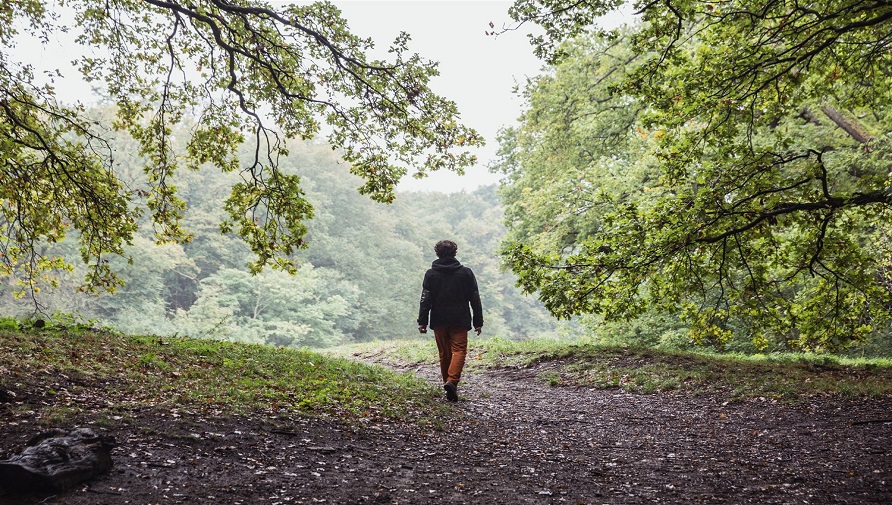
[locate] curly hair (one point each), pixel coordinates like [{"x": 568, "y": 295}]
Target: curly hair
[{"x": 446, "y": 249}]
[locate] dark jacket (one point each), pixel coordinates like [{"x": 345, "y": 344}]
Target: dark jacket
[{"x": 446, "y": 293}]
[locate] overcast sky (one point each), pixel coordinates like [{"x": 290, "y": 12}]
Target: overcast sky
[{"x": 477, "y": 71}]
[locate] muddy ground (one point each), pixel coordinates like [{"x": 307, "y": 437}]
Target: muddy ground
[{"x": 517, "y": 440}]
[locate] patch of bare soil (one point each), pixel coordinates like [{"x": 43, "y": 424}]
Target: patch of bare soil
[{"x": 513, "y": 440}]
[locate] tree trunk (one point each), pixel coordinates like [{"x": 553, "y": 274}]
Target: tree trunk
[
  {"x": 57, "y": 460},
  {"x": 855, "y": 130}
]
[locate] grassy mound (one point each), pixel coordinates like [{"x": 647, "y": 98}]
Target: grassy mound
[
  {"x": 788, "y": 377},
  {"x": 56, "y": 374}
]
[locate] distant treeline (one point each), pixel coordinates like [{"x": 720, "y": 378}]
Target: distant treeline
[{"x": 358, "y": 280}]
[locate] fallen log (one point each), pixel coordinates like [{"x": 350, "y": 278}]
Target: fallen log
[{"x": 57, "y": 460}]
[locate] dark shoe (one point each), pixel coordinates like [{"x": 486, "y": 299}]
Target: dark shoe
[{"x": 451, "y": 394}]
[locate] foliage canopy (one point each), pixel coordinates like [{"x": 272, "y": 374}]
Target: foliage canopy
[
  {"x": 729, "y": 160},
  {"x": 235, "y": 70}
]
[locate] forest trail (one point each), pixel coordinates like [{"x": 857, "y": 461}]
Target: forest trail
[
  {"x": 515, "y": 440},
  {"x": 580, "y": 445}
]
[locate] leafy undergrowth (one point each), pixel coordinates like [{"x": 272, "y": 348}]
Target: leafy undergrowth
[
  {"x": 63, "y": 373},
  {"x": 787, "y": 377}
]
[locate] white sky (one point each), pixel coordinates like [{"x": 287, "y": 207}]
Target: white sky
[{"x": 477, "y": 71}]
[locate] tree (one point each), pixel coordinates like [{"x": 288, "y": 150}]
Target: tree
[
  {"x": 576, "y": 148},
  {"x": 250, "y": 72},
  {"x": 769, "y": 123},
  {"x": 270, "y": 307},
  {"x": 159, "y": 281}
]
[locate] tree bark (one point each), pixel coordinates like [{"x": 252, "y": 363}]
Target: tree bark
[
  {"x": 57, "y": 460},
  {"x": 855, "y": 130}
]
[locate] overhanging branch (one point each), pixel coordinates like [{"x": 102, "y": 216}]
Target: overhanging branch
[{"x": 829, "y": 204}]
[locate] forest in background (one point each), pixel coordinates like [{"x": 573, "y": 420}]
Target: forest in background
[
  {"x": 359, "y": 277},
  {"x": 358, "y": 280},
  {"x": 661, "y": 187}
]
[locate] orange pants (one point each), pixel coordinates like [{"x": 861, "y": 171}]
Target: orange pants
[{"x": 452, "y": 343}]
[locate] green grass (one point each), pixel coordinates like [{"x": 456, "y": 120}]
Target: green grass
[
  {"x": 786, "y": 377},
  {"x": 67, "y": 372},
  {"x": 409, "y": 351}
]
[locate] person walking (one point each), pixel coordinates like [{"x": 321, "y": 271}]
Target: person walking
[{"x": 449, "y": 294}]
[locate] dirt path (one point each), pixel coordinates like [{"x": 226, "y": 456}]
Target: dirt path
[{"x": 519, "y": 442}]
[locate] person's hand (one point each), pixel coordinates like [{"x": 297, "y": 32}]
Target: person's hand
[
  {"x": 422, "y": 328},
  {"x": 478, "y": 329}
]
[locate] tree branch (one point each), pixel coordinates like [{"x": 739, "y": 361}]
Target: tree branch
[
  {"x": 855, "y": 130},
  {"x": 855, "y": 200}
]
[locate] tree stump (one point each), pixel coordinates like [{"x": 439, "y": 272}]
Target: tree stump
[{"x": 57, "y": 460}]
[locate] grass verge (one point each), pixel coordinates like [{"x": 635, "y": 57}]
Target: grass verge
[
  {"x": 787, "y": 377},
  {"x": 63, "y": 373}
]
